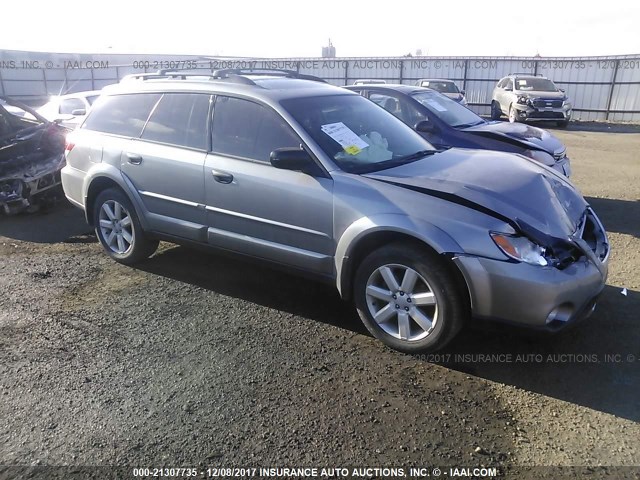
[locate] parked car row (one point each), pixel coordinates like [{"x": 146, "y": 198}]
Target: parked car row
[
  {"x": 317, "y": 179},
  {"x": 446, "y": 123},
  {"x": 522, "y": 97}
]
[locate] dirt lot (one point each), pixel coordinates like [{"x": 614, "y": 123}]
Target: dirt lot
[{"x": 198, "y": 360}]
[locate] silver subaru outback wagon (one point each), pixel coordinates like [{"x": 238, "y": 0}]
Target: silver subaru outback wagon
[{"x": 285, "y": 168}]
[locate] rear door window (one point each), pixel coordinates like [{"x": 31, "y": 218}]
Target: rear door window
[
  {"x": 180, "y": 119},
  {"x": 123, "y": 115},
  {"x": 246, "y": 129},
  {"x": 397, "y": 106}
]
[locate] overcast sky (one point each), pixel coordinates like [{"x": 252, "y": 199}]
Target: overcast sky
[{"x": 280, "y": 28}]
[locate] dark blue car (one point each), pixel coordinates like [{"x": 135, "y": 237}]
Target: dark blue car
[{"x": 445, "y": 123}]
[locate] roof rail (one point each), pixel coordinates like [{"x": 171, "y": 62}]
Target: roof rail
[
  {"x": 233, "y": 72},
  {"x": 179, "y": 74},
  {"x": 233, "y": 75},
  {"x": 528, "y": 74},
  {"x": 184, "y": 75}
]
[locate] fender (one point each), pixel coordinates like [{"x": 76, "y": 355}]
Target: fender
[
  {"x": 423, "y": 231},
  {"x": 105, "y": 170}
]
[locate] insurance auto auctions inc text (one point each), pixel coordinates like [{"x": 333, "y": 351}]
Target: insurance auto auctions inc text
[{"x": 358, "y": 472}]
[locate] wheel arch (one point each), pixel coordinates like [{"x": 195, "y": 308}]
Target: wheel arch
[
  {"x": 368, "y": 234},
  {"x": 103, "y": 179}
]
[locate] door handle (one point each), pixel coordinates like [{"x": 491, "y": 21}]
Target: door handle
[
  {"x": 222, "y": 177},
  {"x": 134, "y": 158}
]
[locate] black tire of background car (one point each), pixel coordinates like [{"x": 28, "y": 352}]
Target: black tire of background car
[{"x": 496, "y": 113}]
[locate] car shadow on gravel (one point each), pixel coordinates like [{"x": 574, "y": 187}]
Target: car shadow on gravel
[
  {"x": 601, "y": 127},
  {"x": 595, "y": 364},
  {"x": 60, "y": 223},
  {"x": 620, "y": 216},
  {"x": 589, "y": 365},
  {"x": 236, "y": 277}
]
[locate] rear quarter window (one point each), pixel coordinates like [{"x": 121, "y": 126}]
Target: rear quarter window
[{"x": 123, "y": 115}]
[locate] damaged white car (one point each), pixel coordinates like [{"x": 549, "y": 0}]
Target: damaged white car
[{"x": 31, "y": 157}]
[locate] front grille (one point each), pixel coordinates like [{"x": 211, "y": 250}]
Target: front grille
[
  {"x": 546, "y": 103},
  {"x": 545, "y": 114},
  {"x": 593, "y": 233}
]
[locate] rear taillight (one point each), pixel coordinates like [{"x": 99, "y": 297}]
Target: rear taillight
[{"x": 69, "y": 146}]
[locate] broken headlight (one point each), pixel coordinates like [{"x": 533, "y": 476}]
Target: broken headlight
[
  {"x": 520, "y": 248},
  {"x": 540, "y": 156}
]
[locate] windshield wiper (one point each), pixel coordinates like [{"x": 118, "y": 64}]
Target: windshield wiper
[
  {"x": 395, "y": 162},
  {"x": 410, "y": 157}
]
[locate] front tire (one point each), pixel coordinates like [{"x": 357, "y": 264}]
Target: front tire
[
  {"x": 119, "y": 230},
  {"x": 563, "y": 123},
  {"x": 513, "y": 114},
  {"x": 409, "y": 298},
  {"x": 496, "y": 112}
]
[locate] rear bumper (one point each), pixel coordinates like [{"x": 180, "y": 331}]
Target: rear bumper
[
  {"x": 536, "y": 297},
  {"x": 72, "y": 184}
]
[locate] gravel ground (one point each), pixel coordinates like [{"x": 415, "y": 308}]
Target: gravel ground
[{"x": 196, "y": 359}]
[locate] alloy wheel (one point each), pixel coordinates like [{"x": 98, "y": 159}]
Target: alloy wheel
[
  {"x": 401, "y": 302},
  {"x": 116, "y": 227}
]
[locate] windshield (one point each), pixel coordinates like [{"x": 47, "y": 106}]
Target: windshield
[
  {"x": 442, "y": 87},
  {"x": 357, "y": 134},
  {"x": 535, "y": 84},
  {"x": 450, "y": 112}
]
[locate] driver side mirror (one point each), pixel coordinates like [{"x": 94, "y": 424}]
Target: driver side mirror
[
  {"x": 561, "y": 90},
  {"x": 425, "y": 126},
  {"x": 296, "y": 159},
  {"x": 463, "y": 93}
]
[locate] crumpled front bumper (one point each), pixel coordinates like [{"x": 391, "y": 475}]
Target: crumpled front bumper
[
  {"x": 563, "y": 166},
  {"x": 539, "y": 297},
  {"x": 19, "y": 193},
  {"x": 549, "y": 297},
  {"x": 526, "y": 112}
]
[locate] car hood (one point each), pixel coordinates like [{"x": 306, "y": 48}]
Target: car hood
[
  {"x": 534, "y": 200},
  {"x": 519, "y": 133},
  {"x": 540, "y": 94},
  {"x": 453, "y": 96},
  {"x": 26, "y": 108}
]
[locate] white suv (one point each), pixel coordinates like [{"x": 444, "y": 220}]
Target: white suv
[{"x": 526, "y": 97}]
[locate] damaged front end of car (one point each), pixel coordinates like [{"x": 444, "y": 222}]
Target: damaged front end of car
[{"x": 31, "y": 157}]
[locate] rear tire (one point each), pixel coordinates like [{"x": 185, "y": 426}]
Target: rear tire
[
  {"x": 119, "y": 230},
  {"x": 496, "y": 112},
  {"x": 409, "y": 298}
]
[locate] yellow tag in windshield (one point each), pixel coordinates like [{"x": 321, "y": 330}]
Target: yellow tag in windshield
[{"x": 352, "y": 150}]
